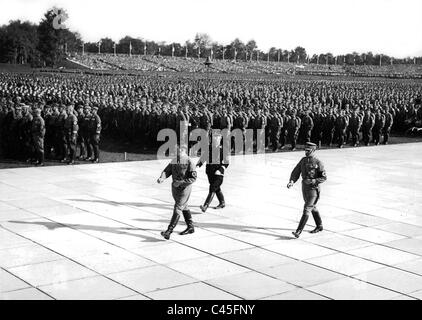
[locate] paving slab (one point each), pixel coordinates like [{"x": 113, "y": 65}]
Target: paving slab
[
  {"x": 414, "y": 266},
  {"x": 26, "y": 255},
  {"x": 301, "y": 274},
  {"x": 338, "y": 242},
  {"x": 251, "y": 285},
  {"x": 25, "y": 294},
  {"x": 256, "y": 258},
  {"x": 299, "y": 249},
  {"x": 394, "y": 279},
  {"x": 151, "y": 278},
  {"x": 409, "y": 245},
  {"x": 297, "y": 294},
  {"x": 207, "y": 268},
  {"x": 373, "y": 235},
  {"x": 344, "y": 264},
  {"x": 95, "y": 288},
  {"x": 169, "y": 252},
  {"x": 404, "y": 229},
  {"x": 113, "y": 260},
  {"x": 51, "y": 272},
  {"x": 382, "y": 254},
  {"x": 9, "y": 282},
  {"x": 352, "y": 289},
  {"x": 193, "y": 291}
]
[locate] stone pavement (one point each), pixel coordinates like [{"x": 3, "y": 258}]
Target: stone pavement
[{"x": 92, "y": 231}]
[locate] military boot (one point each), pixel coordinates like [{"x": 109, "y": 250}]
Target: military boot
[
  {"x": 220, "y": 198},
  {"x": 189, "y": 223},
  {"x": 302, "y": 224},
  {"x": 173, "y": 222},
  {"x": 207, "y": 202},
  {"x": 318, "y": 221}
]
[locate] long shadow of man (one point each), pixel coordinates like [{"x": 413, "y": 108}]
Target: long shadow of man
[
  {"x": 243, "y": 228},
  {"x": 55, "y": 225}
]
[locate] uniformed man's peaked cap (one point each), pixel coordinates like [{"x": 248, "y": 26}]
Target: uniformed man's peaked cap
[{"x": 310, "y": 146}]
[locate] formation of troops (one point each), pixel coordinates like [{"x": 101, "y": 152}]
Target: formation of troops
[
  {"x": 63, "y": 115},
  {"x": 54, "y": 131}
]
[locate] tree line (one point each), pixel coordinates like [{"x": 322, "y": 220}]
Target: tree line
[{"x": 44, "y": 44}]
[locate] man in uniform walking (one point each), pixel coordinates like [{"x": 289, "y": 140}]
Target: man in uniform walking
[
  {"x": 313, "y": 174},
  {"x": 215, "y": 168},
  {"x": 183, "y": 172}
]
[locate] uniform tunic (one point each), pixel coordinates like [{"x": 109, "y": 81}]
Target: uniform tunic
[
  {"x": 38, "y": 133},
  {"x": 313, "y": 174},
  {"x": 184, "y": 174},
  {"x": 212, "y": 166}
]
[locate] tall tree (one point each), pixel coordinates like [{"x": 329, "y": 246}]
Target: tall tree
[
  {"x": 300, "y": 53},
  {"x": 250, "y": 47},
  {"x": 54, "y": 37},
  {"x": 18, "y": 42}
]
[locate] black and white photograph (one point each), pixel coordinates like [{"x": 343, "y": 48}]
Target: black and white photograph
[{"x": 222, "y": 151}]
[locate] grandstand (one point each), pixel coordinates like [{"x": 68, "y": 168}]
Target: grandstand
[{"x": 107, "y": 61}]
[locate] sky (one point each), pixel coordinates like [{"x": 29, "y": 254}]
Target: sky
[{"x": 392, "y": 27}]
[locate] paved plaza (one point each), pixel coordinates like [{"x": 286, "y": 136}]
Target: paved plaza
[{"x": 93, "y": 231}]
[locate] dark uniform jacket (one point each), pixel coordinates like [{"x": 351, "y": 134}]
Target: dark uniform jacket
[
  {"x": 94, "y": 124},
  {"x": 307, "y": 123},
  {"x": 60, "y": 121},
  {"x": 181, "y": 169},
  {"x": 355, "y": 122},
  {"x": 276, "y": 122},
  {"x": 379, "y": 122},
  {"x": 38, "y": 127},
  {"x": 388, "y": 121},
  {"x": 312, "y": 169},
  {"x": 211, "y": 168},
  {"x": 368, "y": 122},
  {"x": 341, "y": 123},
  {"x": 260, "y": 122},
  {"x": 71, "y": 124},
  {"x": 206, "y": 121},
  {"x": 293, "y": 124},
  {"x": 225, "y": 122}
]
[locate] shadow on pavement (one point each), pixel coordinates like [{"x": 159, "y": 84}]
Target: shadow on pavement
[
  {"x": 243, "y": 228},
  {"x": 55, "y": 225}
]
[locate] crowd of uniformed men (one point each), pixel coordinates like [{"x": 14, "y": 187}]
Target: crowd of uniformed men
[{"x": 64, "y": 114}]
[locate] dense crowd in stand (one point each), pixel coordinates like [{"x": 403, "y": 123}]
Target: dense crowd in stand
[
  {"x": 109, "y": 61},
  {"x": 135, "y": 108}
]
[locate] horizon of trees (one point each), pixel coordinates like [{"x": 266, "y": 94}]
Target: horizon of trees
[{"x": 44, "y": 45}]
